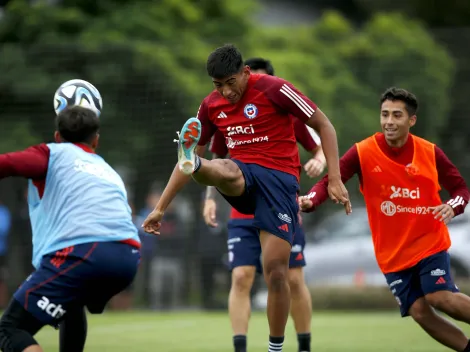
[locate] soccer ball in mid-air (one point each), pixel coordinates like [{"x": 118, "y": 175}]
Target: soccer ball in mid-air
[{"x": 78, "y": 92}]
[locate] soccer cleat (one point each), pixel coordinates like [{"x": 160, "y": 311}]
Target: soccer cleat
[{"x": 187, "y": 142}]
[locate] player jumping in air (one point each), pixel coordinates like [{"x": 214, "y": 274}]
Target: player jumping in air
[
  {"x": 85, "y": 246},
  {"x": 400, "y": 176},
  {"x": 262, "y": 178},
  {"x": 244, "y": 243}
]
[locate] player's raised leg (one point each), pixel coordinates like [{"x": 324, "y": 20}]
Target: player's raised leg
[
  {"x": 300, "y": 307},
  {"x": 221, "y": 173}
]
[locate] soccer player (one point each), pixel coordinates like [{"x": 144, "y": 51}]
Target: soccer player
[
  {"x": 85, "y": 246},
  {"x": 245, "y": 248},
  {"x": 262, "y": 178},
  {"x": 400, "y": 176}
]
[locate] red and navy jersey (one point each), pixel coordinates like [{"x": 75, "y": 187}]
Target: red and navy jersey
[{"x": 259, "y": 129}]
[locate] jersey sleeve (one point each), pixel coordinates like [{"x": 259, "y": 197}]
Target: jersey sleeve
[
  {"x": 208, "y": 128},
  {"x": 31, "y": 163},
  {"x": 349, "y": 165},
  {"x": 288, "y": 98},
  {"x": 306, "y": 136},
  {"x": 218, "y": 145},
  {"x": 452, "y": 181}
]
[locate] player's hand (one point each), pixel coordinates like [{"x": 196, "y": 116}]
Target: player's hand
[
  {"x": 314, "y": 167},
  {"x": 305, "y": 203},
  {"x": 209, "y": 211},
  {"x": 443, "y": 212},
  {"x": 339, "y": 194},
  {"x": 153, "y": 223}
]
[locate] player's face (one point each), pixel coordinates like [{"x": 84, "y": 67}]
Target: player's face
[
  {"x": 233, "y": 87},
  {"x": 395, "y": 121}
]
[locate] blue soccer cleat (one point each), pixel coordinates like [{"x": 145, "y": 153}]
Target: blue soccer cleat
[{"x": 187, "y": 142}]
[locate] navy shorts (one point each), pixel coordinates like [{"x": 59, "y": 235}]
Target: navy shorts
[
  {"x": 270, "y": 195},
  {"x": 244, "y": 247},
  {"x": 88, "y": 274},
  {"x": 430, "y": 275}
]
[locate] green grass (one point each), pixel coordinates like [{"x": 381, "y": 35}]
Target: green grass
[{"x": 203, "y": 332}]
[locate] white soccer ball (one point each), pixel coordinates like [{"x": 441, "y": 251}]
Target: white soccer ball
[{"x": 78, "y": 92}]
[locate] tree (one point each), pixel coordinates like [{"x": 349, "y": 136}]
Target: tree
[{"x": 345, "y": 69}]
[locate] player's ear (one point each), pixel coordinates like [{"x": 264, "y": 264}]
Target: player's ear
[
  {"x": 412, "y": 120},
  {"x": 57, "y": 137},
  {"x": 94, "y": 143},
  {"x": 246, "y": 70}
]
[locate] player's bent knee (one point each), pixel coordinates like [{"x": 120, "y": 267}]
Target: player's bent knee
[
  {"x": 231, "y": 181},
  {"x": 15, "y": 340},
  {"x": 242, "y": 278},
  {"x": 421, "y": 312}
]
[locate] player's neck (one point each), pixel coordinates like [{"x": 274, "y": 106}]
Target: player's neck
[{"x": 397, "y": 143}]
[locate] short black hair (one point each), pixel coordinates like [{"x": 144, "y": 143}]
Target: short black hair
[
  {"x": 258, "y": 63},
  {"x": 77, "y": 124},
  {"x": 224, "y": 61},
  {"x": 410, "y": 100}
]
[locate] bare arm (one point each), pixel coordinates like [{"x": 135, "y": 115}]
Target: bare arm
[
  {"x": 319, "y": 122},
  {"x": 289, "y": 99}
]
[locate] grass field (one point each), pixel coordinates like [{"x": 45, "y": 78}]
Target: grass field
[{"x": 204, "y": 332}]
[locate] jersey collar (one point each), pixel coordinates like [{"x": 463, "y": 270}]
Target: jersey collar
[{"x": 85, "y": 148}]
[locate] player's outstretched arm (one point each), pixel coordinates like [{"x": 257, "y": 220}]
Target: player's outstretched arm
[
  {"x": 31, "y": 163},
  {"x": 175, "y": 184},
  {"x": 453, "y": 182},
  {"x": 349, "y": 165}
]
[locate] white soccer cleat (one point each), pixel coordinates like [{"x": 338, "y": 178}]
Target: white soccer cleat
[{"x": 187, "y": 143}]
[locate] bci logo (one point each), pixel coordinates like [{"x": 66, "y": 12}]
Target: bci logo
[{"x": 398, "y": 192}]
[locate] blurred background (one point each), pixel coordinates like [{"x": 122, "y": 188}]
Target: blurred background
[{"x": 147, "y": 58}]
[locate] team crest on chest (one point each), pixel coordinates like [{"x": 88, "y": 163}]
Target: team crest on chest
[{"x": 250, "y": 111}]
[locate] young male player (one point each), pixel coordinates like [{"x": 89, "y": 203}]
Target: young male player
[
  {"x": 400, "y": 176},
  {"x": 85, "y": 246},
  {"x": 245, "y": 248},
  {"x": 262, "y": 177}
]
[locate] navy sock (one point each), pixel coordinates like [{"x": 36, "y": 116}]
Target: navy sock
[
  {"x": 304, "y": 342},
  {"x": 239, "y": 342},
  {"x": 275, "y": 343}
]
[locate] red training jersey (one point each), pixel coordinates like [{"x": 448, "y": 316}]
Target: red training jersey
[
  {"x": 258, "y": 129},
  {"x": 305, "y": 135}
]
